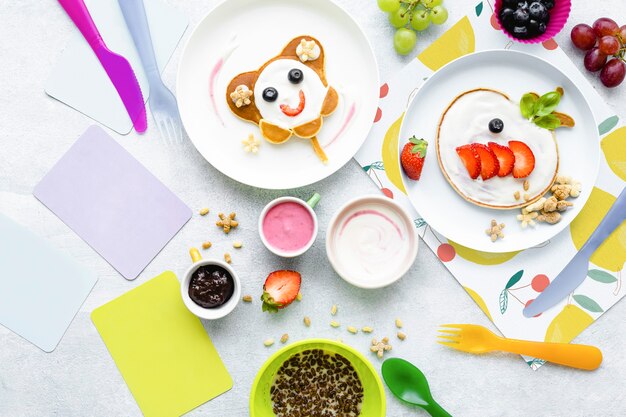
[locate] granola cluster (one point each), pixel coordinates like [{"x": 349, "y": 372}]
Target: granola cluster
[{"x": 549, "y": 209}]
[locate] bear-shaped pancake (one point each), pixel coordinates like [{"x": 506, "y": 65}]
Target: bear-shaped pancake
[{"x": 288, "y": 95}]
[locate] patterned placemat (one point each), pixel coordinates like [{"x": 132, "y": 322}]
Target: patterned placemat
[{"x": 502, "y": 284}]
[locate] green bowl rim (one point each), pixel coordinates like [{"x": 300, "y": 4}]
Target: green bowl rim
[{"x": 342, "y": 345}]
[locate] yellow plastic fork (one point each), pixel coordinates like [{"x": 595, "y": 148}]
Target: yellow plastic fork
[{"x": 477, "y": 339}]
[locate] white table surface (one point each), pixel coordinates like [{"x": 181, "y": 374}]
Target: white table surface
[{"x": 80, "y": 378}]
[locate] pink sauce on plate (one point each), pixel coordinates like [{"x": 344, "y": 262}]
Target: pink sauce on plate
[{"x": 288, "y": 226}]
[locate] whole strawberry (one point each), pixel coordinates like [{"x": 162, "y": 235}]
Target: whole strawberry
[{"x": 412, "y": 157}]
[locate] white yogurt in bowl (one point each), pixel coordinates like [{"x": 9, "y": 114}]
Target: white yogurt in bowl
[{"x": 371, "y": 242}]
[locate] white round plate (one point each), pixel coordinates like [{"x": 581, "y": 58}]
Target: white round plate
[
  {"x": 514, "y": 73},
  {"x": 258, "y": 31}
]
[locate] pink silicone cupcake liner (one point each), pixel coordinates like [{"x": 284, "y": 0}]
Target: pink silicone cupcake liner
[{"x": 558, "y": 16}]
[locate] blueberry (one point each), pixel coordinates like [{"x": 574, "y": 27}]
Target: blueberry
[
  {"x": 533, "y": 26},
  {"x": 270, "y": 94},
  {"x": 506, "y": 16},
  {"x": 542, "y": 28},
  {"x": 522, "y": 4},
  {"x": 496, "y": 125},
  {"x": 549, "y": 4},
  {"x": 295, "y": 76},
  {"x": 538, "y": 11},
  {"x": 521, "y": 16},
  {"x": 520, "y": 32}
]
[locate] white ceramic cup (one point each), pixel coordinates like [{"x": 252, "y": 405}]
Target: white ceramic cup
[
  {"x": 209, "y": 313},
  {"x": 309, "y": 205},
  {"x": 399, "y": 270}
]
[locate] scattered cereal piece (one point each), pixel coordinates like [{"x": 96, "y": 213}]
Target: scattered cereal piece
[
  {"x": 367, "y": 329},
  {"x": 237, "y": 244},
  {"x": 251, "y": 144},
  {"x": 284, "y": 338},
  {"x": 563, "y": 205},
  {"x": 551, "y": 218},
  {"x": 227, "y": 223},
  {"x": 241, "y": 96},
  {"x": 206, "y": 245},
  {"x": 563, "y": 180},
  {"x": 333, "y": 310},
  {"x": 204, "y": 211},
  {"x": 247, "y": 298},
  {"x": 227, "y": 258},
  {"x": 299, "y": 296},
  {"x": 527, "y": 219},
  {"x": 380, "y": 347},
  {"x": 495, "y": 231},
  {"x": 576, "y": 189},
  {"x": 268, "y": 342},
  {"x": 334, "y": 324},
  {"x": 398, "y": 323},
  {"x": 353, "y": 329},
  {"x": 536, "y": 206},
  {"x": 526, "y": 197},
  {"x": 526, "y": 185},
  {"x": 550, "y": 204},
  {"x": 307, "y": 321},
  {"x": 401, "y": 336},
  {"x": 516, "y": 194},
  {"x": 561, "y": 191}
]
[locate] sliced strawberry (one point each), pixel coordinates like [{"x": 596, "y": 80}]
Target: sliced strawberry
[
  {"x": 489, "y": 165},
  {"x": 280, "y": 289},
  {"x": 505, "y": 156},
  {"x": 524, "y": 159},
  {"x": 470, "y": 159}
]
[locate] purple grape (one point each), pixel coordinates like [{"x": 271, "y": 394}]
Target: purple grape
[
  {"x": 594, "y": 60},
  {"x": 613, "y": 73},
  {"x": 583, "y": 37}
]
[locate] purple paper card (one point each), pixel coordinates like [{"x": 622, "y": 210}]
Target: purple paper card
[{"x": 112, "y": 202}]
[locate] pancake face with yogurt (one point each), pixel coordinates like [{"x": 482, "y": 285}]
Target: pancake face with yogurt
[{"x": 466, "y": 121}]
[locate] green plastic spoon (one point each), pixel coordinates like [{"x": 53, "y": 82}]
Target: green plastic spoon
[{"x": 409, "y": 384}]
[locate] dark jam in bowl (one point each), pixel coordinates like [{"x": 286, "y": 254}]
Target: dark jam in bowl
[{"x": 211, "y": 286}]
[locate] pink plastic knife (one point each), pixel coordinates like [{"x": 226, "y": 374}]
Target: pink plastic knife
[{"x": 116, "y": 66}]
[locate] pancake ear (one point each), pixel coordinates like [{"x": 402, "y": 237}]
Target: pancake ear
[
  {"x": 289, "y": 51},
  {"x": 248, "y": 112}
]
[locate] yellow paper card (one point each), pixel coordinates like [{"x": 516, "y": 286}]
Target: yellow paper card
[{"x": 161, "y": 349}]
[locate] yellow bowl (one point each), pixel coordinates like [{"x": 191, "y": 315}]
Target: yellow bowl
[{"x": 373, "y": 391}]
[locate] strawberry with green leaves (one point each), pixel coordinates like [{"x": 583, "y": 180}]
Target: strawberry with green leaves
[
  {"x": 280, "y": 289},
  {"x": 412, "y": 157}
]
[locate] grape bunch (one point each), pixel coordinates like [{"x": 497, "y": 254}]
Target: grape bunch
[
  {"x": 408, "y": 16},
  {"x": 605, "y": 43}
]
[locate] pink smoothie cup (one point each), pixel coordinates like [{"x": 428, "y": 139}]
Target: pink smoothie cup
[
  {"x": 288, "y": 225},
  {"x": 558, "y": 16}
]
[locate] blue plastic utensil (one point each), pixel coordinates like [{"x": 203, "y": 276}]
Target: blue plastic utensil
[
  {"x": 162, "y": 102},
  {"x": 576, "y": 270}
]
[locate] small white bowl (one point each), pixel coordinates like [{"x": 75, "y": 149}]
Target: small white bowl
[
  {"x": 210, "y": 313},
  {"x": 277, "y": 251},
  {"x": 354, "y": 278}
]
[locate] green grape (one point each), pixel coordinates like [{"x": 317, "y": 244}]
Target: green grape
[
  {"x": 431, "y": 3},
  {"x": 439, "y": 15},
  {"x": 399, "y": 18},
  {"x": 420, "y": 20},
  {"x": 404, "y": 40},
  {"x": 388, "y": 5}
]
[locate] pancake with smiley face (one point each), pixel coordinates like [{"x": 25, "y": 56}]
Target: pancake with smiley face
[
  {"x": 491, "y": 155},
  {"x": 288, "y": 95}
]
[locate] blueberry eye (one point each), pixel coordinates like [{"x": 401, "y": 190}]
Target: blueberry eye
[
  {"x": 295, "y": 76},
  {"x": 496, "y": 125},
  {"x": 270, "y": 94}
]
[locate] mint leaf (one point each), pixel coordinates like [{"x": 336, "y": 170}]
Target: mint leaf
[
  {"x": 527, "y": 105},
  {"x": 547, "y": 103},
  {"x": 549, "y": 122}
]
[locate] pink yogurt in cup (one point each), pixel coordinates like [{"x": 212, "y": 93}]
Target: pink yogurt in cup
[{"x": 288, "y": 226}]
